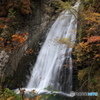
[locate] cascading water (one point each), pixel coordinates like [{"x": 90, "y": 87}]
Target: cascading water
[{"x": 51, "y": 58}]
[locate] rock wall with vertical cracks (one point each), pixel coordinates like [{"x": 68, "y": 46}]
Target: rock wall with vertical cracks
[{"x": 16, "y": 65}]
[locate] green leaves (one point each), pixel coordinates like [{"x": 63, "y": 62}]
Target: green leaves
[
  {"x": 7, "y": 94},
  {"x": 93, "y": 80},
  {"x": 11, "y": 13},
  {"x": 47, "y": 88}
]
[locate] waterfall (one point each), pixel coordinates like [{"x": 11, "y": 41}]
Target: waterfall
[{"x": 53, "y": 55}]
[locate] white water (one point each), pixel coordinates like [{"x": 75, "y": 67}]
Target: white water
[{"x": 46, "y": 71}]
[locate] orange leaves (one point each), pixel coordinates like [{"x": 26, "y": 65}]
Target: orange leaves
[
  {"x": 19, "y": 38},
  {"x": 88, "y": 50},
  {"x": 93, "y": 39},
  {"x": 16, "y": 41},
  {"x": 26, "y": 99},
  {"x": 2, "y": 26},
  {"x": 36, "y": 98},
  {"x": 1, "y": 42},
  {"x": 85, "y": 48},
  {"x": 1, "y": 39},
  {"x": 10, "y": 98},
  {"x": 29, "y": 51}
]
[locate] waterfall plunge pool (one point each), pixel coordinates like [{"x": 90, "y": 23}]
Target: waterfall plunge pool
[{"x": 45, "y": 94}]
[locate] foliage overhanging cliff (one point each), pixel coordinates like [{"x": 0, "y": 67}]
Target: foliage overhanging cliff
[{"x": 87, "y": 49}]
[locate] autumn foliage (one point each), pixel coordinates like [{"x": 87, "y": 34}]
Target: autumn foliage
[
  {"x": 87, "y": 49},
  {"x": 93, "y": 39},
  {"x": 11, "y": 19},
  {"x": 25, "y": 9},
  {"x": 19, "y": 38},
  {"x": 16, "y": 41}
]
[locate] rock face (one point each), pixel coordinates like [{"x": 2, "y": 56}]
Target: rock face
[{"x": 16, "y": 65}]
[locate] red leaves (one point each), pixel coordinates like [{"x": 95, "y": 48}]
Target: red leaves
[
  {"x": 5, "y": 19},
  {"x": 26, "y": 2},
  {"x": 10, "y": 4},
  {"x": 93, "y": 39},
  {"x": 25, "y": 9}
]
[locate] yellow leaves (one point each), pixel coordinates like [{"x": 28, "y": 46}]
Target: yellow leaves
[
  {"x": 38, "y": 97},
  {"x": 82, "y": 51},
  {"x": 96, "y": 14},
  {"x": 66, "y": 41},
  {"x": 91, "y": 21},
  {"x": 88, "y": 50},
  {"x": 92, "y": 17},
  {"x": 63, "y": 40},
  {"x": 33, "y": 91},
  {"x": 97, "y": 56},
  {"x": 22, "y": 91},
  {"x": 81, "y": 46}
]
